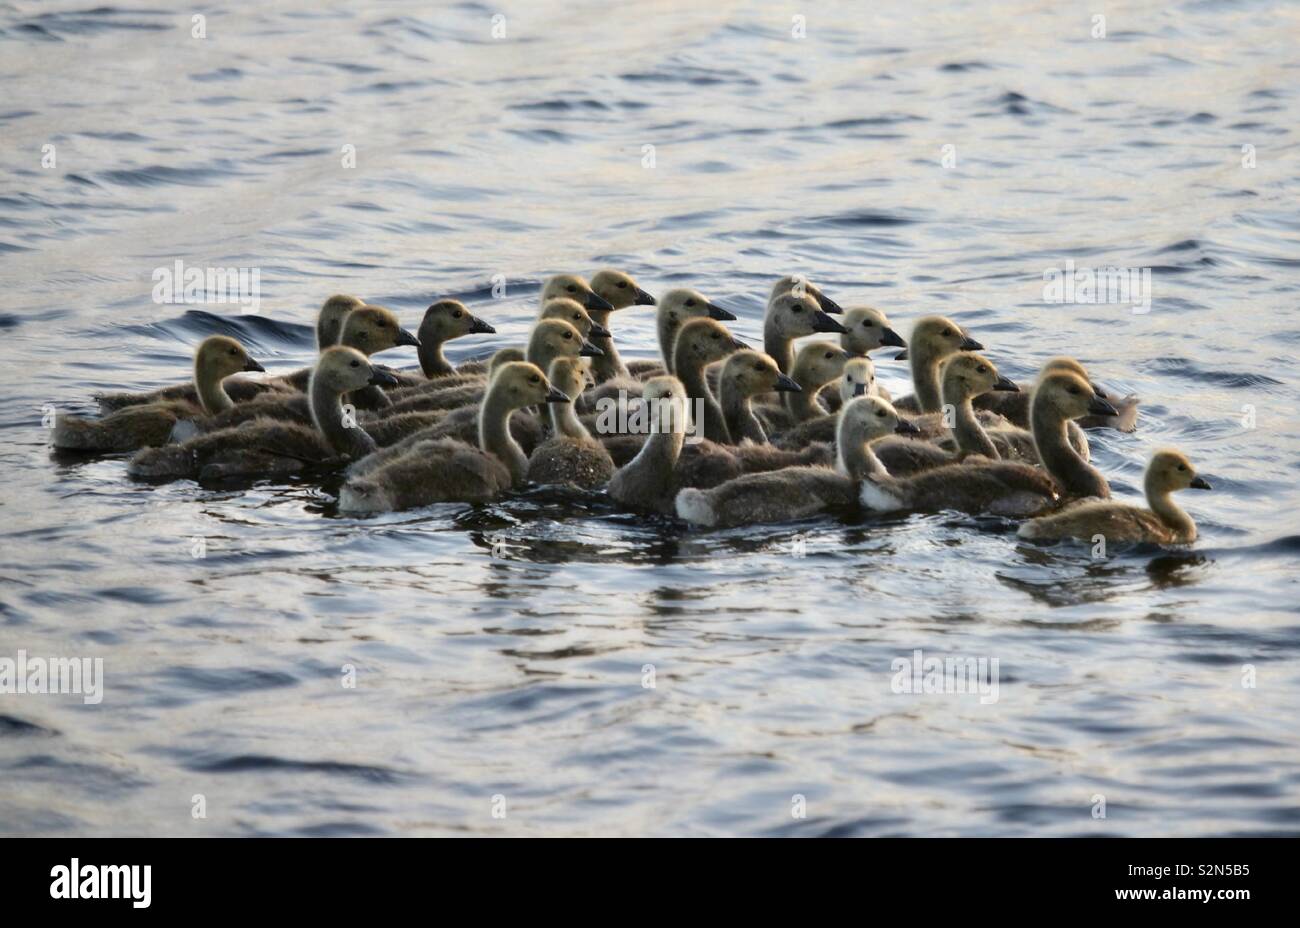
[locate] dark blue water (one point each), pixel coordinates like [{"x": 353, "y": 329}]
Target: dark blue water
[{"x": 521, "y": 675}]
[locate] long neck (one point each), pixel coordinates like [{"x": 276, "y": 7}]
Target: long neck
[
  {"x": 609, "y": 365},
  {"x": 1051, "y": 438},
  {"x": 651, "y": 471},
  {"x": 494, "y": 434},
  {"x": 1167, "y": 511},
  {"x": 691, "y": 374},
  {"x": 970, "y": 435},
  {"x": 667, "y": 335},
  {"x": 805, "y": 405},
  {"x": 565, "y": 421},
  {"x": 740, "y": 419},
  {"x": 777, "y": 345},
  {"x": 212, "y": 395},
  {"x": 856, "y": 460},
  {"x": 432, "y": 361},
  {"x": 342, "y": 432},
  {"x": 925, "y": 378}
]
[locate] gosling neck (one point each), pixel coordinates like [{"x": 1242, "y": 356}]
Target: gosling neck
[
  {"x": 1051, "y": 438},
  {"x": 855, "y": 459},
  {"x": 212, "y": 395},
  {"x": 740, "y": 419},
  {"x": 1167, "y": 511},
  {"x": 432, "y": 361},
  {"x": 691, "y": 373},
  {"x": 925, "y": 376},
  {"x": 652, "y": 471},
  {"x": 609, "y": 365},
  {"x": 777, "y": 344},
  {"x": 804, "y": 405},
  {"x": 667, "y": 335},
  {"x": 966, "y": 429},
  {"x": 565, "y": 421},
  {"x": 341, "y": 431},
  {"x": 494, "y": 433}
]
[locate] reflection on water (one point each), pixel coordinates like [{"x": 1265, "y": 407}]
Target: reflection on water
[{"x": 608, "y": 672}]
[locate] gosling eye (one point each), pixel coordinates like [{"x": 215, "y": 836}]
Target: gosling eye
[
  {"x": 534, "y": 379},
  {"x": 690, "y": 302},
  {"x": 829, "y": 355},
  {"x": 622, "y": 285},
  {"x": 717, "y": 335},
  {"x": 1182, "y": 467},
  {"x": 797, "y": 307},
  {"x": 947, "y": 333},
  {"x": 457, "y": 314},
  {"x": 982, "y": 369},
  {"x": 849, "y": 379},
  {"x": 867, "y": 323},
  {"x": 1074, "y": 391},
  {"x": 577, "y": 316},
  {"x": 880, "y": 414},
  {"x": 759, "y": 368},
  {"x": 233, "y": 352},
  {"x": 568, "y": 336},
  {"x": 356, "y": 364},
  {"x": 382, "y": 324},
  {"x": 571, "y": 288}
]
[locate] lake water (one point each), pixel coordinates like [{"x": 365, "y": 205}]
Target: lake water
[{"x": 502, "y": 651}]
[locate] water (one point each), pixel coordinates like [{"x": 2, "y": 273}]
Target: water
[{"x": 521, "y": 675}]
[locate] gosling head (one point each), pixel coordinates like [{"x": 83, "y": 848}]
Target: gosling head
[
  {"x": 575, "y": 288},
  {"x": 448, "y": 319},
  {"x": 858, "y": 378},
  {"x": 793, "y": 316},
  {"x": 868, "y": 418},
  {"x": 571, "y": 311},
  {"x": 521, "y": 384},
  {"x": 1070, "y": 364},
  {"x": 569, "y": 376},
  {"x": 802, "y": 286},
  {"x": 967, "y": 375},
  {"x": 1171, "y": 471},
  {"x": 329, "y": 323},
  {"x": 1069, "y": 396},
  {"x": 619, "y": 290},
  {"x": 218, "y": 356},
  {"x": 701, "y": 342},
  {"x": 344, "y": 369},
  {"x": 936, "y": 337},
  {"x": 683, "y": 303},
  {"x": 866, "y": 330},
  {"x": 555, "y": 338},
  {"x": 371, "y": 329},
  {"x": 748, "y": 373},
  {"x": 666, "y": 399},
  {"x": 818, "y": 363}
]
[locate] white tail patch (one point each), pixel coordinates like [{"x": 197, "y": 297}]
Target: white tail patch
[
  {"x": 877, "y": 498},
  {"x": 694, "y": 506}
]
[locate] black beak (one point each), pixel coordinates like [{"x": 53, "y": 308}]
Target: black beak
[
  {"x": 859, "y": 389},
  {"x": 906, "y": 427},
  {"x": 738, "y": 344},
  {"x": 595, "y": 301},
  {"x": 827, "y": 304},
  {"x": 1200, "y": 483},
  {"x": 478, "y": 327},
  {"x": 406, "y": 338},
  {"x": 590, "y": 351},
  {"x": 252, "y": 365},
  {"x": 1004, "y": 383},
  {"x": 902, "y": 356},
  {"x": 824, "y": 323},
  {"x": 556, "y": 396},
  {"x": 720, "y": 314},
  {"x": 969, "y": 344},
  {"x": 600, "y": 331},
  {"x": 1099, "y": 407},
  {"x": 890, "y": 337},
  {"x": 380, "y": 378},
  {"x": 643, "y": 298},
  {"x": 787, "y": 385},
  {"x": 1098, "y": 391}
]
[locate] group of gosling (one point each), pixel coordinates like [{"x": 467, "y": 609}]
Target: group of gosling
[{"x": 725, "y": 435}]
